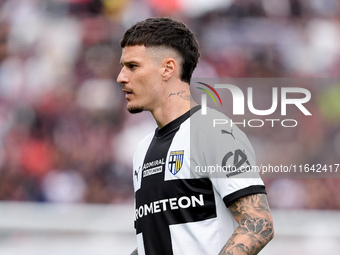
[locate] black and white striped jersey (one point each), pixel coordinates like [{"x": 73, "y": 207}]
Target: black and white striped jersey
[{"x": 181, "y": 208}]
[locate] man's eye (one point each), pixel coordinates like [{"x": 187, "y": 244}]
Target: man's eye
[{"x": 132, "y": 66}]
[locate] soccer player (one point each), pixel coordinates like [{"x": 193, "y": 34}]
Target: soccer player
[{"x": 177, "y": 212}]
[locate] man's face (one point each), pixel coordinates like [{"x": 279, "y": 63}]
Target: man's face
[{"x": 141, "y": 78}]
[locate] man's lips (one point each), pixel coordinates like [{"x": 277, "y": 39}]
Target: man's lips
[{"x": 127, "y": 92}]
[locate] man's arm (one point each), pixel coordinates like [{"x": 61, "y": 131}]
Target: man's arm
[{"x": 255, "y": 228}]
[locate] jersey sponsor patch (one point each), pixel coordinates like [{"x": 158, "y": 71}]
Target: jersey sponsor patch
[
  {"x": 175, "y": 161},
  {"x": 152, "y": 171}
]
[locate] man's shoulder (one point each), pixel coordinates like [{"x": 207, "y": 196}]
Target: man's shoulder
[
  {"x": 216, "y": 128},
  {"x": 210, "y": 122}
]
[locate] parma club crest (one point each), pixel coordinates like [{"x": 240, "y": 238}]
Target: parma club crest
[{"x": 175, "y": 161}]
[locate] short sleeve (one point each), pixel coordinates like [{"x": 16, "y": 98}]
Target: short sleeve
[{"x": 226, "y": 156}]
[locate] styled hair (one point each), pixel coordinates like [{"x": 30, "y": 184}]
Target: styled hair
[{"x": 169, "y": 33}]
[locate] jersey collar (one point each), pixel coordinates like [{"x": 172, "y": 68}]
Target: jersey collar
[{"x": 176, "y": 122}]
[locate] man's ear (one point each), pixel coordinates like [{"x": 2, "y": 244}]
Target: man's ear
[{"x": 169, "y": 68}]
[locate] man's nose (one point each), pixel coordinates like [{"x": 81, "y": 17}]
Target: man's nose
[{"x": 122, "y": 78}]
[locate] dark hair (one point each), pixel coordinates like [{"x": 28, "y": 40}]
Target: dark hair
[{"x": 169, "y": 33}]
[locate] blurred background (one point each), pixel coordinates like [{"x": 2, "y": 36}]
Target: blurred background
[{"x": 66, "y": 140}]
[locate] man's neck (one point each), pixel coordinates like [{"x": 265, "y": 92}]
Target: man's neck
[{"x": 177, "y": 103}]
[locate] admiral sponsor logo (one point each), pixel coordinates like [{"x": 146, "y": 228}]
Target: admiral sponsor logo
[
  {"x": 152, "y": 171},
  {"x": 169, "y": 204},
  {"x": 154, "y": 163}
]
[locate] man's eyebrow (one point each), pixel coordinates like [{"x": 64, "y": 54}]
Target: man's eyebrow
[{"x": 122, "y": 63}]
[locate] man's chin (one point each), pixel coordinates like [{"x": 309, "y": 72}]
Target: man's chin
[{"x": 135, "y": 109}]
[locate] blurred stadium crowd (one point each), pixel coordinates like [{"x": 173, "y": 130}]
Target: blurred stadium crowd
[{"x": 65, "y": 135}]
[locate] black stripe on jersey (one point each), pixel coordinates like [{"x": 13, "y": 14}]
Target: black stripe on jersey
[
  {"x": 254, "y": 189},
  {"x": 166, "y": 195}
]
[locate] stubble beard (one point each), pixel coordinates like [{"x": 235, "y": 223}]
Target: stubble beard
[{"x": 134, "y": 109}]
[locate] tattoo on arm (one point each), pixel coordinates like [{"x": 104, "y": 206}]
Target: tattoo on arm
[{"x": 255, "y": 228}]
